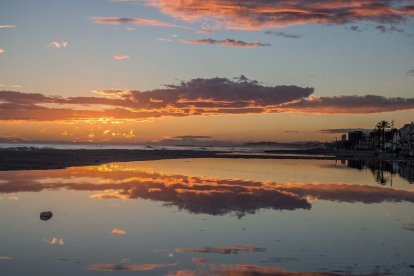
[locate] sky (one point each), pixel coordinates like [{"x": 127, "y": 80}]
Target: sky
[{"x": 252, "y": 70}]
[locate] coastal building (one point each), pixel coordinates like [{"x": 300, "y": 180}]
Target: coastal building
[
  {"x": 359, "y": 140},
  {"x": 392, "y": 139},
  {"x": 406, "y": 141},
  {"x": 395, "y": 140}
]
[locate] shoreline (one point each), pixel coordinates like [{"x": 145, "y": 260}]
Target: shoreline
[{"x": 45, "y": 159}]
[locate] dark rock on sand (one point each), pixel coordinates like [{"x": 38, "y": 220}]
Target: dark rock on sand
[{"x": 46, "y": 215}]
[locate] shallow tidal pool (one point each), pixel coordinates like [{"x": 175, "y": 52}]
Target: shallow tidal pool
[{"x": 209, "y": 217}]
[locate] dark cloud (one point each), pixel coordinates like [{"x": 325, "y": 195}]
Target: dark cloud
[
  {"x": 343, "y": 130},
  {"x": 352, "y": 104},
  {"x": 227, "y": 42},
  {"x": 389, "y": 29},
  {"x": 282, "y": 34},
  {"x": 135, "y": 267},
  {"x": 135, "y": 21},
  {"x": 221, "y": 250},
  {"x": 410, "y": 73},
  {"x": 261, "y": 14},
  {"x": 355, "y": 28}
]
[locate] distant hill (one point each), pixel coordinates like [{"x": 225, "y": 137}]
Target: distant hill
[{"x": 294, "y": 145}]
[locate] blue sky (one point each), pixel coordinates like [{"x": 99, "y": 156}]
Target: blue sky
[{"x": 332, "y": 58}]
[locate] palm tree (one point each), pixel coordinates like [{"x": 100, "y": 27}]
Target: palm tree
[{"x": 380, "y": 128}]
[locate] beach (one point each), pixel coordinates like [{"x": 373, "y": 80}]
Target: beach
[{"x": 41, "y": 158}]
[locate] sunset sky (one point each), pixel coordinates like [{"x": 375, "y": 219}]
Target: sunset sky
[{"x": 252, "y": 70}]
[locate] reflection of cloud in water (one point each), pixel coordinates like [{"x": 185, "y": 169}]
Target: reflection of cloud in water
[
  {"x": 213, "y": 196},
  {"x": 199, "y": 261},
  {"x": 221, "y": 250},
  {"x": 243, "y": 270},
  {"x": 117, "y": 231},
  {"x": 55, "y": 241},
  {"x": 409, "y": 226},
  {"x": 140, "y": 267}
]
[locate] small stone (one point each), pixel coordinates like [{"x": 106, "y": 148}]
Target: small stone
[{"x": 46, "y": 215}]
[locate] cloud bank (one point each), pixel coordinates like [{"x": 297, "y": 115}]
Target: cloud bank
[
  {"x": 343, "y": 130},
  {"x": 215, "y": 96},
  {"x": 352, "y": 104},
  {"x": 261, "y": 14}
]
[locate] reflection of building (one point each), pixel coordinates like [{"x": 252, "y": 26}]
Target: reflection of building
[
  {"x": 383, "y": 170},
  {"x": 406, "y": 170},
  {"x": 392, "y": 139}
]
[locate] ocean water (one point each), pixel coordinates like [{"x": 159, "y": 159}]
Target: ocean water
[
  {"x": 70, "y": 146},
  {"x": 210, "y": 217}
]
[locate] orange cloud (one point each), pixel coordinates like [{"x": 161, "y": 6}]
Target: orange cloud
[
  {"x": 117, "y": 231},
  {"x": 120, "y": 57},
  {"x": 2, "y": 50},
  {"x": 195, "y": 97},
  {"x": 215, "y": 96},
  {"x": 259, "y": 14}
]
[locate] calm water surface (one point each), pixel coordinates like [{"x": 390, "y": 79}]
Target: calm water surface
[{"x": 209, "y": 217}]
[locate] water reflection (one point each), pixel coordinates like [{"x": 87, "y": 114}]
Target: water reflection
[
  {"x": 139, "y": 267},
  {"x": 100, "y": 223},
  {"x": 243, "y": 270},
  {"x": 55, "y": 241},
  {"x": 221, "y": 250},
  {"x": 196, "y": 194},
  {"x": 204, "y": 269},
  {"x": 384, "y": 171}
]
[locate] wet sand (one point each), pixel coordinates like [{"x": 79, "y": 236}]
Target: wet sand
[{"x": 30, "y": 159}]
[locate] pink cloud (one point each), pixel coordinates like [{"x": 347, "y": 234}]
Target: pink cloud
[{"x": 260, "y": 14}]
